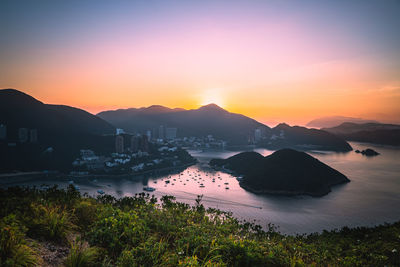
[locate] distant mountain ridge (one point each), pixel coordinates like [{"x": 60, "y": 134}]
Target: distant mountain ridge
[
  {"x": 377, "y": 133},
  {"x": 65, "y": 129},
  {"x": 332, "y": 121},
  {"x": 302, "y": 138},
  {"x": 237, "y": 129},
  {"x": 206, "y": 120},
  {"x": 18, "y": 110}
]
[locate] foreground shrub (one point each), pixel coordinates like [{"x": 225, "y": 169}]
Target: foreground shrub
[
  {"x": 142, "y": 231},
  {"x": 116, "y": 230},
  {"x": 14, "y": 250},
  {"x": 81, "y": 255},
  {"x": 51, "y": 222},
  {"x": 86, "y": 213}
]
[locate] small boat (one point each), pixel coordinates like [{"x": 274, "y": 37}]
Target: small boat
[
  {"x": 149, "y": 189},
  {"x": 77, "y": 187},
  {"x": 101, "y": 192},
  {"x": 71, "y": 182}
]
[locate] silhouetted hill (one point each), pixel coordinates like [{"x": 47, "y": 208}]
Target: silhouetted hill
[
  {"x": 378, "y": 133},
  {"x": 286, "y": 171},
  {"x": 210, "y": 119},
  {"x": 332, "y": 121},
  {"x": 18, "y": 110},
  {"x": 285, "y": 136},
  {"x": 65, "y": 129}
]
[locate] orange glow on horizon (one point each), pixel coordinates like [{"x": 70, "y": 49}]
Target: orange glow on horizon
[{"x": 271, "y": 62}]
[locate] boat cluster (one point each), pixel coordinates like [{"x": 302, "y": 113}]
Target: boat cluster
[{"x": 195, "y": 176}]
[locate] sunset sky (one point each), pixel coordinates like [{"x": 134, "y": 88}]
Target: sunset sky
[{"x": 275, "y": 61}]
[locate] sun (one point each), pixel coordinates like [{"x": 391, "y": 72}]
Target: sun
[{"x": 212, "y": 96}]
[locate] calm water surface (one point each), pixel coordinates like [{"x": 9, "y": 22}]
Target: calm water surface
[{"x": 372, "y": 197}]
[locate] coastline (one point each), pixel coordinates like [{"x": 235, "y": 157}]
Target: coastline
[{"x": 94, "y": 176}]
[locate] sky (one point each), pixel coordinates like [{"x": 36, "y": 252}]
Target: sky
[{"x": 275, "y": 61}]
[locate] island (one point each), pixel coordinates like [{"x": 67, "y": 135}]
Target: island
[
  {"x": 369, "y": 152},
  {"x": 285, "y": 172}
]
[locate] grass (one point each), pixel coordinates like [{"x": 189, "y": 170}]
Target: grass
[
  {"x": 14, "y": 249},
  {"x": 81, "y": 255},
  {"x": 144, "y": 231}
]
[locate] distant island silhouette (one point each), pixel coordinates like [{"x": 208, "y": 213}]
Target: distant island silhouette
[{"x": 376, "y": 133}]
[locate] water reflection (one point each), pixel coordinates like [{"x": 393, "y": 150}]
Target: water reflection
[{"x": 372, "y": 197}]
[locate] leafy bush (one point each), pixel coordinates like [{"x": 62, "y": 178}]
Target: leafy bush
[
  {"x": 115, "y": 230},
  {"x": 86, "y": 213},
  {"x": 140, "y": 231}
]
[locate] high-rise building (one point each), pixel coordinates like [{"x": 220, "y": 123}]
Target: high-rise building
[
  {"x": 119, "y": 144},
  {"x": 257, "y": 135},
  {"x": 33, "y": 134},
  {"x": 154, "y": 133},
  {"x": 139, "y": 142},
  {"x": 3, "y": 132},
  {"x": 119, "y": 131},
  {"x": 161, "y": 132},
  {"x": 144, "y": 145},
  {"x": 148, "y": 133},
  {"x": 23, "y": 135},
  {"x": 135, "y": 143},
  {"x": 170, "y": 133}
]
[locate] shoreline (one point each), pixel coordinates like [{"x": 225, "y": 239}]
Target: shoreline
[{"x": 122, "y": 175}]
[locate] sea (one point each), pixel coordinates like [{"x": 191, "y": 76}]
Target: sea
[{"x": 371, "y": 198}]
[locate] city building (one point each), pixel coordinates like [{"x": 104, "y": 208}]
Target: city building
[
  {"x": 3, "y": 132},
  {"x": 161, "y": 132},
  {"x": 135, "y": 143},
  {"x": 23, "y": 135},
  {"x": 87, "y": 154},
  {"x": 119, "y": 131},
  {"x": 145, "y": 144},
  {"x": 139, "y": 143},
  {"x": 170, "y": 133},
  {"x": 148, "y": 133},
  {"x": 257, "y": 135},
  {"x": 119, "y": 144},
  {"x": 33, "y": 135}
]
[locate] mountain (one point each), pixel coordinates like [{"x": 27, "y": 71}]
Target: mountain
[
  {"x": 286, "y": 171},
  {"x": 332, "y": 121},
  {"x": 378, "y": 133},
  {"x": 65, "y": 129},
  {"x": 18, "y": 110},
  {"x": 211, "y": 119},
  {"x": 285, "y": 136},
  {"x": 206, "y": 120}
]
